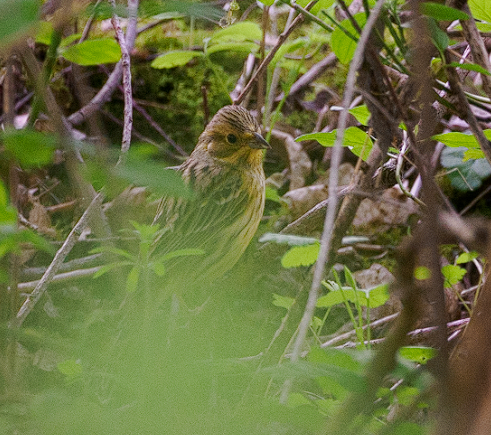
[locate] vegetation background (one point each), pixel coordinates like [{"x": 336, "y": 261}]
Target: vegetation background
[{"x": 361, "y": 307}]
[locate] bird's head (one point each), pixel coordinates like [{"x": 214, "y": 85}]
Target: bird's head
[{"x": 233, "y": 135}]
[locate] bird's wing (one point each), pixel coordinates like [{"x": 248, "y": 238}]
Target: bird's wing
[{"x": 218, "y": 201}]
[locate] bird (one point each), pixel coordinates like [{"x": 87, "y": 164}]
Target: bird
[{"x": 226, "y": 175}]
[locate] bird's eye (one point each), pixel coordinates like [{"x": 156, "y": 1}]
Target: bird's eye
[{"x": 231, "y": 138}]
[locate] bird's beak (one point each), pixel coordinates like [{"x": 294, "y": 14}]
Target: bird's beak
[{"x": 259, "y": 142}]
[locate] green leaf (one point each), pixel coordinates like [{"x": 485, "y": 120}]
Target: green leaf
[
  {"x": 438, "y": 36},
  {"x": 421, "y": 273},
  {"x": 44, "y": 33},
  {"x": 371, "y": 298},
  {"x": 359, "y": 142},
  {"x": 321, "y": 4},
  {"x": 350, "y": 279},
  {"x": 441, "y": 12},
  {"x": 456, "y": 139},
  {"x": 418, "y": 354},
  {"x": 69, "y": 40},
  {"x": 17, "y": 17},
  {"x": 11, "y": 238},
  {"x": 4, "y": 197},
  {"x": 452, "y": 274},
  {"x": 243, "y": 31},
  {"x": 300, "y": 256},
  {"x": 406, "y": 395},
  {"x": 108, "y": 267},
  {"x": 466, "y": 257},
  {"x": 169, "y": 8},
  {"x": 338, "y": 368},
  {"x": 336, "y": 357},
  {"x": 161, "y": 180},
  {"x": 287, "y": 239},
  {"x": 378, "y": 295},
  {"x": 483, "y": 27},
  {"x": 480, "y": 10},
  {"x": 70, "y": 368},
  {"x": 341, "y": 44},
  {"x": 283, "y": 301},
  {"x": 361, "y": 113},
  {"x": 470, "y": 67},
  {"x": 267, "y": 2},
  {"x": 319, "y": 372},
  {"x": 272, "y": 194},
  {"x": 335, "y": 297},
  {"x": 408, "y": 428},
  {"x": 158, "y": 268},
  {"x": 132, "y": 279},
  {"x": 243, "y": 47},
  {"x": 174, "y": 58},
  {"x": 30, "y": 148},
  {"x": 464, "y": 175},
  {"x": 473, "y": 154},
  {"x": 93, "y": 52}
]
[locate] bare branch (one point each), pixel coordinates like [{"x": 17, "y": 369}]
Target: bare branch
[
  {"x": 333, "y": 183},
  {"x": 104, "y": 95},
  {"x": 60, "y": 256}
]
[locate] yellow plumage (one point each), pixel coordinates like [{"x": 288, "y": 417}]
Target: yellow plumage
[{"x": 225, "y": 172}]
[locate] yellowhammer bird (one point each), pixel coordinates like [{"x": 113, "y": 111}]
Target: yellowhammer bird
[{"x": 226, "y": 174}]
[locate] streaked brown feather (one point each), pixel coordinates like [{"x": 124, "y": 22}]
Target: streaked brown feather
[{"x": 228, "y": 182}]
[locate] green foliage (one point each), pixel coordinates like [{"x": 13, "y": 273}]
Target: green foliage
[
  {"x": 464, "y": 173},
  {"x": 452, "y": 274},
  {"x": 143, "y": 172},
  {"x": 470, "y": 67},
  {"x": 361, "y": 113},
  {"x": 145, "y": 261},
  {"x": 159, "y": 9},
  {"x": 28, "y": 147},
  {"x": 355, "y": 139},
  {"x": 418, "y": 354},
  {"x": 372, "y": 298},
  {"x": 12, "y": 238},
  {"x": 460, "y": 140},
  {"x": 240, "y": 37},
  {"x": 480, "y": 10},
  {"x": 465, "y": 257},
  {"x": 185, "y": 365},
  {"x": 17, "y": 17},
  {"x": 421, "y": 273},
  {"x": 301, "y": 256},
  {"x": 442, "y": 12},
  {"x": 174, "y": 58},
  {"x": 344, "y": 38},
  {"x": 93, "y": 52}
]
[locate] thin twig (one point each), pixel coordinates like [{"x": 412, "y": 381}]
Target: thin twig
[
  {"x": 104, "y": 95},
  {"x": 64, "y": 276},
  {"x": 352, "y": 333},
  {"x": 159, "y": 129},
  {"x": 127, "y": 91},
  {"x": 282, "y": 38},
  {"x": 333, "y": 184},
  {"x": 60, "y": 256},
  {"x": 69, "y": 266},
  {"x": 311, "y": 16},
  {"x": 88, "y": 25}
]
